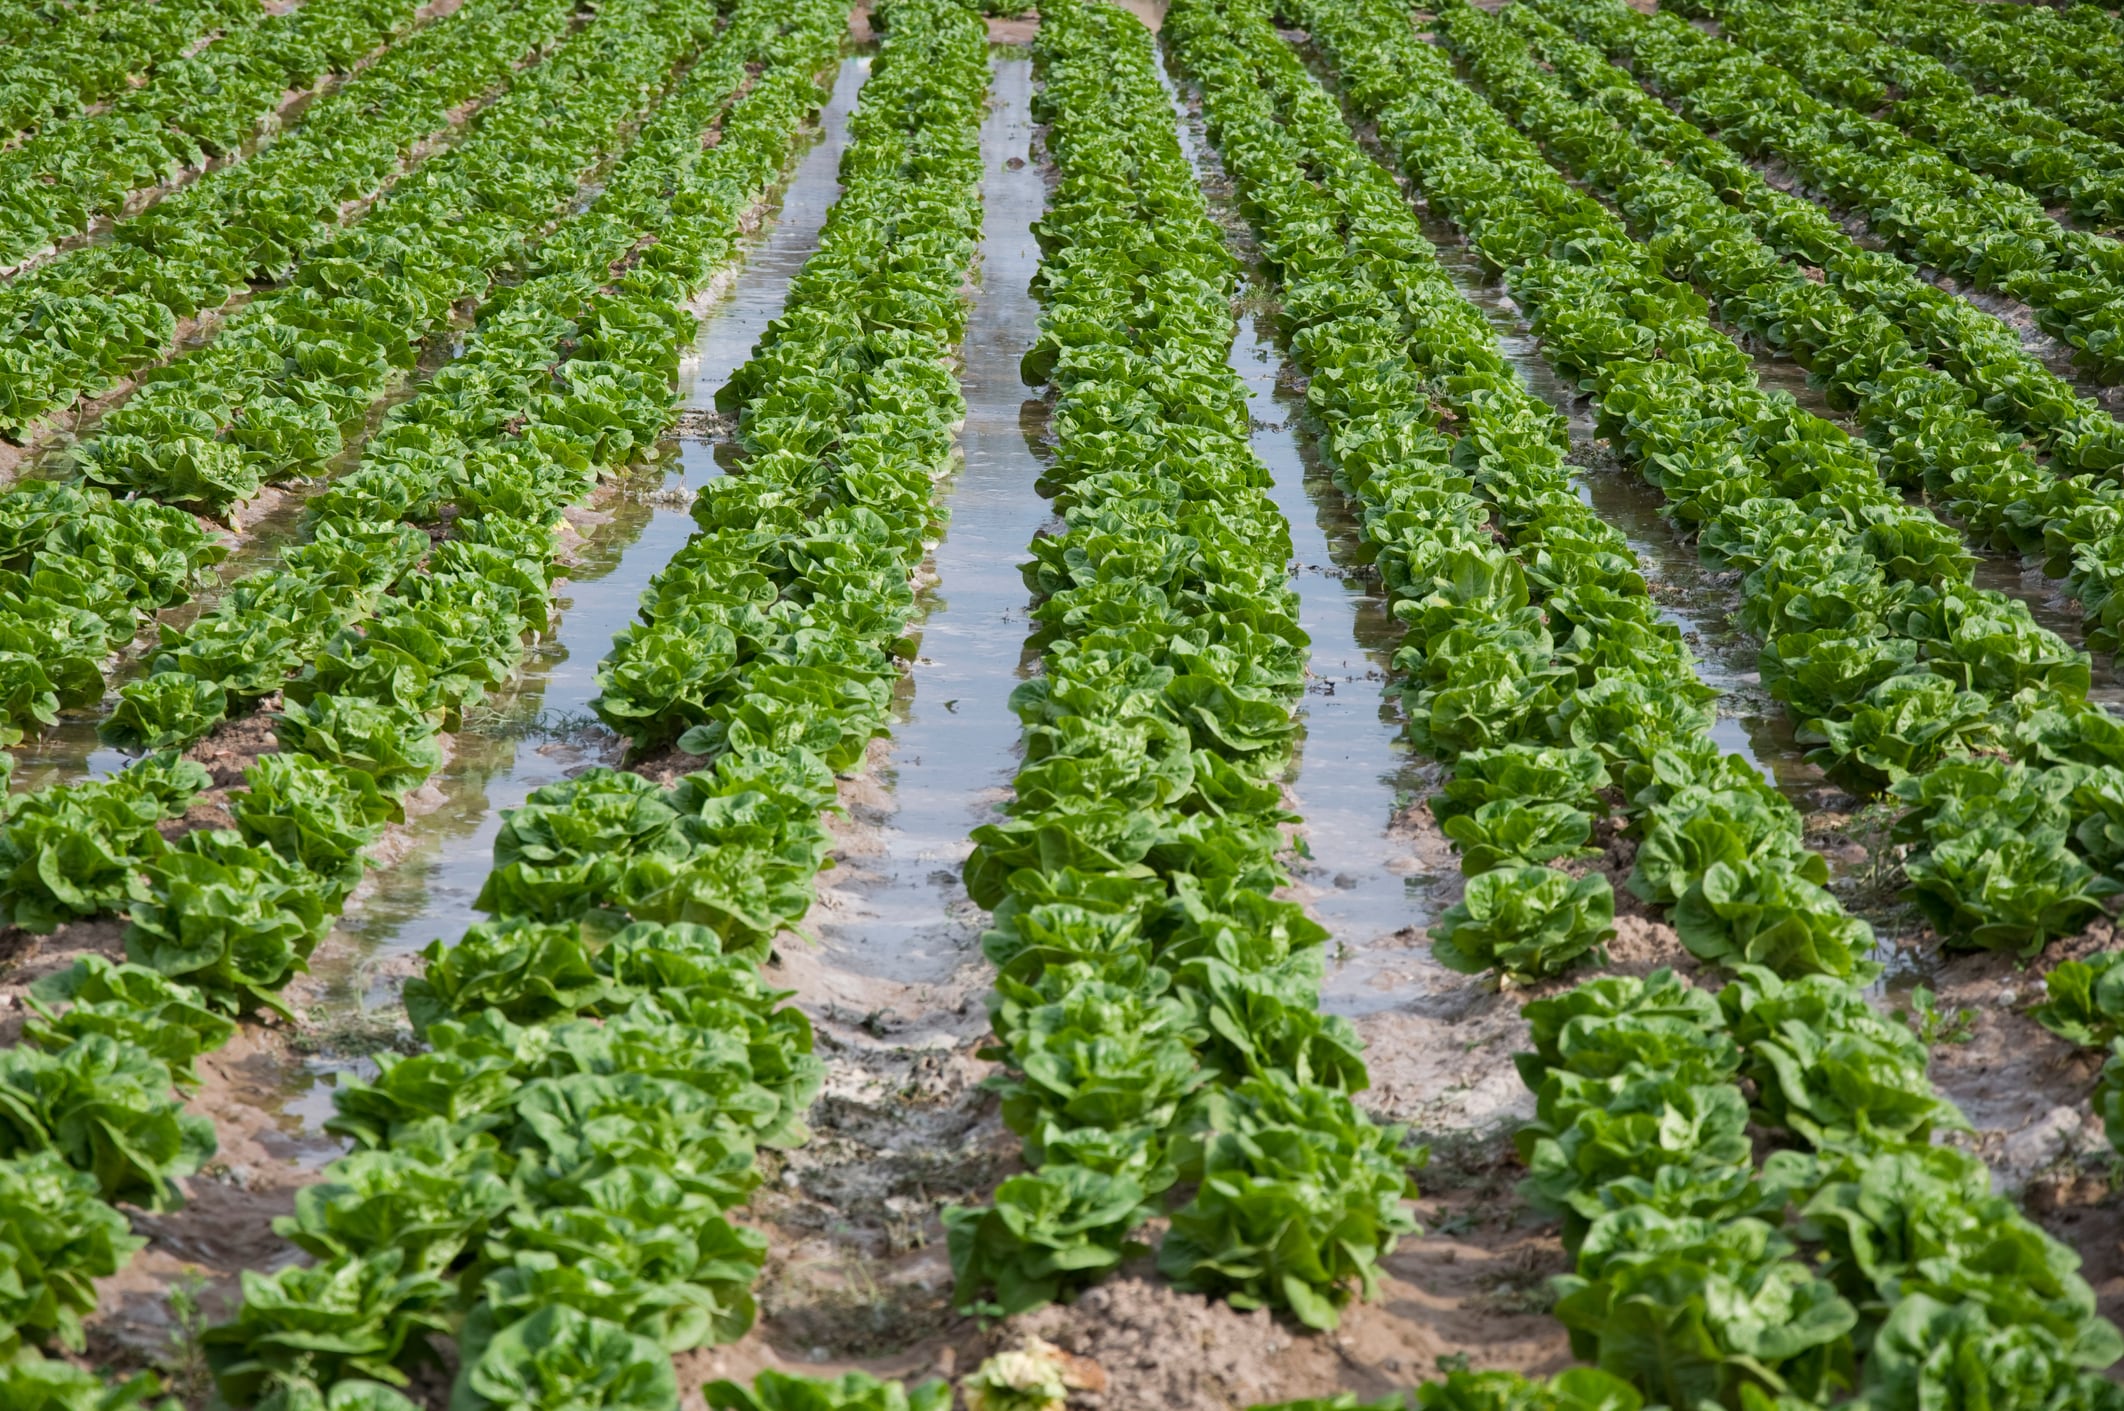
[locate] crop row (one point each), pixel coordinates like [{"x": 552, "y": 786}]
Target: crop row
[
  {"x": 1846, "y": 63},
  {"x": 615, "y": 1148},
  {"x": 1873, "y": 634},
  {"x": 607, "y": 1047},
  {"x": 1534, "y": 660},
  {"x": 1929, "y": 427},
  {"x": 1981, "y": 351},
  {"x": 1991, "y": 234},
  {"x": 93, "y": 54},
  {"x": 57, "y": 182},
  {"x": 2066, "y": 61},
  {"x": 296, "y": 373},
  {"x": 1380, "y": 331},
  {"x": 76, "y": 326},
  {"x": 1690, "y": 1280},
  {"x": 1156, "y": 1007},
  {"x": 579, "y": 361}
]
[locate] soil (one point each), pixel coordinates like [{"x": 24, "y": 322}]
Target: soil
[{"x": 857, "y": 1274}]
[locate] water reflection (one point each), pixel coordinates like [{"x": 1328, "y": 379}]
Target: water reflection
[
  {"x": 954, "y": 738},
  {"x": 541, "y": 730}
]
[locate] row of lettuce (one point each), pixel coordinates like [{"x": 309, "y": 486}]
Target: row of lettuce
[
  {"x": 2063, "y": 60},
  {"x": 1840, "y": 58},
  {"x": 1858, "y": 1256},
  {"x": 191, "y": 112},
  {"x": 93, "y": 54},
  {"x": 343, "y": 610},
  {"x": 1918, "y": 201},
  {"x": 292, "y": 382},
  {"x": 1899, "y": 671},
  {"x": 550, "y": 1183},
  {"x": 1966, "y": 430},
  {"x": 303, "y": 366},
  {"x": 1928, "y": 429},
  {"x": 2056, "y": 805},
  {"x": 1156, "y": 1006},
  {"x": 1483, "y": 544},
  {"x": 1685, "y": 222},
  {"x": 566, "y": 375},
  {"x": 77, "y": 324}
]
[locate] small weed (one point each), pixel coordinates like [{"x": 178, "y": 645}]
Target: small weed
[
  {"x": 1934, "y": 1025},
  {"x": 183, "y": 1360},
  {"x": 1458, "y": 1223}
]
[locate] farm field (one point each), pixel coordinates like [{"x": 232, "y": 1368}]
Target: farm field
[{"x": 780, "y": 706}]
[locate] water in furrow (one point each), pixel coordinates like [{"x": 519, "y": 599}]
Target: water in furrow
[
  {"x": 542, "y": 730},
  {"x": 904, "y": 914}
]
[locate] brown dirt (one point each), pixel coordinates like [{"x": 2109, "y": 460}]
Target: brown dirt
[
  {"x": 226, "y": 1223},
  {"x": 2023, "y": 1089}
]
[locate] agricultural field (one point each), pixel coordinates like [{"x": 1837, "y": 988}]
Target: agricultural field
[{"x": 787, "y": 706}]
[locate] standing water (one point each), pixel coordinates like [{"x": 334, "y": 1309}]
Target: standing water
[
  {"x": 1355, "y": 773},
  {"x": 542, "y": 730},
  {"x": 1359, "y": 874},
  {"x": 954, "y": 747}
]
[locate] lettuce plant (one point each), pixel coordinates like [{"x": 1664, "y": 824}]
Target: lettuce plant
[{"x": 1528, "y": 922}]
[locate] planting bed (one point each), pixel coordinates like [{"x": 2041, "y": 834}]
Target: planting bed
[{"x": 724, "y": 703}]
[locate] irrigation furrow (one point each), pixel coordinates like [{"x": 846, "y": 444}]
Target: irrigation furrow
[
  {"x": 541, "y": 728},
  {"x": 1363, "y": 866},
  {"x": 309, "y": 815},
  {"x": 1156, "y": 1005},
  {"x": 340, "y": 336},
  {"x": 902, "y": 914}
]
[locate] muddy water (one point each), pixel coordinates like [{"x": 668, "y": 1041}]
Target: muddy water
[
  {"x": 954, "y": 739},
  {"x": 1355, "y": 771},
  {"x": 542, "y": 730}
]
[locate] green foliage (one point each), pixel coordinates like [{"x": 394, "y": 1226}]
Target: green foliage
[
  {"x": 106, "y": 1108},
  {"x": 394, "y": 746},
  {"x": 1829, "y": 1066},
  {"x": 131, "y": 1003},
  {"x": 78, "y": 850},
  {"x": 316, "y": 815},
  {"x": 1049, "y": 1231},
  {"x": 235, "y": 920},
  {"x": 57, "y": 1236},
  {"x": 169, "y": 708},
  {"x": 1297, "y": 1197},
  {"x": 1509, "y": 833},
  {"x": 2086, "y": 1000},
  {"x": 851, "y": 1391},
  {"x": 36, "y": 1383},
  {"x": 560, "y": 1356},
  {"x": 351, "y": 1317},
  {"x": 1527, "y": 922}
]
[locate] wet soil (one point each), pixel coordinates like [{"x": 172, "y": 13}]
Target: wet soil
[{"x": 894, "y": 985}]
